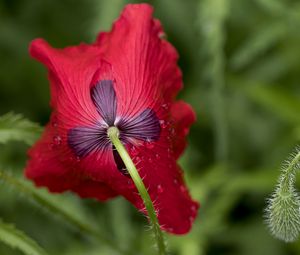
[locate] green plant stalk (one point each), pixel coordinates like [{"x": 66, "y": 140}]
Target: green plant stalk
[
  {"x": 288, "y": 175},
  {"x": 113, "y": 134}
]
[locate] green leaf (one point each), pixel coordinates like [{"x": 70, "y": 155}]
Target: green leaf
[
  {"x": 277, "y": 100},
  {"x": 18, "y": 240},
  {"x": 262, "y": 39},
  {"x": 15, "y": 127},
  {"x": 59, "y": 206}
]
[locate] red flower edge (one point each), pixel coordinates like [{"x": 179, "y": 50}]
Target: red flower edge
[{"x": 128, "y": 78}]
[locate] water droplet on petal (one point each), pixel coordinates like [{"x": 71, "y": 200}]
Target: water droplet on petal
[
  {"x": 150, "y": 160},
  {"x": 78, "y": 159},
  {"x": 191, "y": 219},
  {"x": 170, "y": 152},
  {"x": 193, "y": 208},
  {"x": 51, "y": 146},
  {"x": 175, "y": 181},
  {"x": 170, "y": 229},
  {"x": 163, "y": 124},
  {"x": 157, "y": 156},
  {"x": 172, "y": 131},
  {"x": 149, "y": 144},
  {"x": 160, "y": 189},
  {"x": 57, "y": 140},
  {"x": 183, "y": 189},
  {"x": 162, "y": 35},
  {"x": 186, "y": 131},
  {"x": 54, "y": 122},
  {"x": 138, "y": 159},
  {"x": 165, "y": 106},
  {"x": 134, "y": 151}
]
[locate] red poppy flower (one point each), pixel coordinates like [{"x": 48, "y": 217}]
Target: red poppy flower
[{"x": 128, "y": 78}]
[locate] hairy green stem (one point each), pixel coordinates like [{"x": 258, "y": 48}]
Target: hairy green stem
[
  {"x": 113, "y": 134},
  {"x": 288, "y": 175}
]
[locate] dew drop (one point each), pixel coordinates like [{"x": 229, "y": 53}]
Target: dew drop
[
  {"x": 191, "y": 219},
  {"x": 170, "y": 153},
  {"x": 57, "y": 140},
  {"x": 193, "y": 208},
  {"x": 138, "y": 159},
  {"x": 157, "y": 156},
  {"x": 51, "y": 146},
  {"x": 78, "y": 159},
  {"x": 165, "y": 106},
  {"x": 175, "y": 181},
  {"x": 162, "y": 35},
  {"x": 172, "y": 131},
  {"x": 54, "y": 122},
  {"x": 186, "y": 131},
  {"x": 149, "y": 144},
  {"x": 170, "y": 230},
  {"x": 183, "y": 189},
  {"x": 134, "y": 151},
  {"x": 163, "y": 124},
  {"x": 160, "y": 189},
  {"x": 150, "y": 160}
]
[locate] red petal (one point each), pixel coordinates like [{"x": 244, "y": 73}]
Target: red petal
[
  {"x": 51, "y": 164},
  {"x": 164, "y": 180},
  {"x": 147, "y": 76},
  {"x": 144, "y": 65},
  {"x": 71, "y": 72},
  {"x": 183, "y": 116},
  {"x": 93, "y": 189}
]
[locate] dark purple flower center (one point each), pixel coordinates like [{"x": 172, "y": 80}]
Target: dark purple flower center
[{"x": 84, "y": 140}]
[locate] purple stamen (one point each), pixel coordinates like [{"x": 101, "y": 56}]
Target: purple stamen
[
  {"x": 104, "y": 98},
  {"x": 144, "y": 127},
  {"x": 85, "y": 140}
]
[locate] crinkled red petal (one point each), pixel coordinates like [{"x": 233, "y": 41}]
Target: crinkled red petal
[
  {"x": 183, "y": 117},
  {"x": 144, "y": 65},
  {"x": 51, "y": 164},
  {"x": 71, "y": 74},
  {"x": 147, "y": 76},
  {"x": 144, "y": 70}
]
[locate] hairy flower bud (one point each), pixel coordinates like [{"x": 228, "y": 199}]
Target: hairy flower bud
[
  {"x": 283, "y": 214},
  {"x": 283, "y": 210}
]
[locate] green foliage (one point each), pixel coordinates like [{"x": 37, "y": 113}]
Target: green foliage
[
  {"x": 240, "y": 61},
  {"x": 15, "y": 127},
  {"x": 212, "y": 18},
  {"x": 58, "y": 206},
  {"x": 17, "y": 239}
]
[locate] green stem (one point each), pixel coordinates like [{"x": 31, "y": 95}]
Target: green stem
[
  {"x": 289, "y": 174},
  {"x": 113, "y": 134}
]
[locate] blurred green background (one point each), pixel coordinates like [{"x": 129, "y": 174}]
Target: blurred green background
[{"x": 241, "y": 66}]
